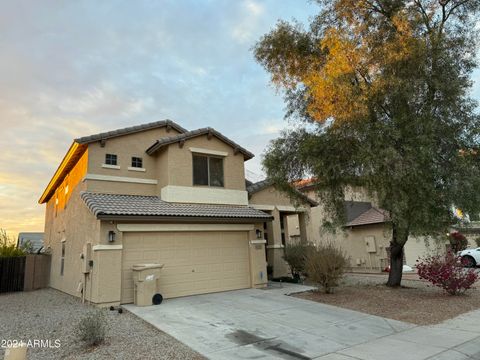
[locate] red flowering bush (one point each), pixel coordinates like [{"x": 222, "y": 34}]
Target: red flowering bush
[{"x": 447, "y": 272}]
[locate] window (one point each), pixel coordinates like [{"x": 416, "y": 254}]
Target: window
[
  {"x": 110, "y": 159},
  {"x": 62, "y": 260},
  {"x": 207, "y": 170},
  {"x": 137, "y": 162}
]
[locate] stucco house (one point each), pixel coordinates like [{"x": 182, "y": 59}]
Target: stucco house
[
  {"x": 365, "y": 235},
  {"x": 154, "y": 193}
]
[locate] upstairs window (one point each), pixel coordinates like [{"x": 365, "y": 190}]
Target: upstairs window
[
  {"x": 207, "y": 170},
  {"x": 137, "y": 162},
  {"x": 110, "y": 159}
]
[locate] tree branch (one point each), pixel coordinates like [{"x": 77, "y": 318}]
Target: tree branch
[{"x": 424, "y": 14}]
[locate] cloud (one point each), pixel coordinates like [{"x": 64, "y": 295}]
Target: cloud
[
  {"x": 70, "y": 69},
  {"x": 245, "y": 30}
]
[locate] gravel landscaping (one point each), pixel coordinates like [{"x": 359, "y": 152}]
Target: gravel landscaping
[
  {"x": 48, "y": 314},
  {"x": 416, "y": 301}
]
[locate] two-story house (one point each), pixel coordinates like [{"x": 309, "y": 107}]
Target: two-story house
[{"x": 154, "y": 193}]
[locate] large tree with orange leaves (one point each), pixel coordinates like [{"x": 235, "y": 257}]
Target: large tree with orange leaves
[{"x": 380, "y": 91}]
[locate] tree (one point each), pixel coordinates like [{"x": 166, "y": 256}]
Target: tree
[{"x": 380, "y": 93}]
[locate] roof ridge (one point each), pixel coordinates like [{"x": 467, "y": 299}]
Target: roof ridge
[
  {"x": 197, "y": 132},
  {"x": 129, "y": 130}
]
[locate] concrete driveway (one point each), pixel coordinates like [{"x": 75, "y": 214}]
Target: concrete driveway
[{"x": 266, "y": 324}]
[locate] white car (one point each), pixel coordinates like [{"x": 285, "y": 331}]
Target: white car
[{"x": 470, "y": 257}]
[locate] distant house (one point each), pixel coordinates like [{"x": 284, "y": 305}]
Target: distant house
[{"x": 31, "y": 240}]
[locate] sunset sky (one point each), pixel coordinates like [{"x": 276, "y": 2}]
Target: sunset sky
[{"x": 69, "y": 69}]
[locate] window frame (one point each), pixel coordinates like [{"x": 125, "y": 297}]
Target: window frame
[
  {"x": 109, "y": 157},
  {"x": 208, "y": 157},
  {"x": 62, "y": 258},
  {"x": 135, "y": 161}
]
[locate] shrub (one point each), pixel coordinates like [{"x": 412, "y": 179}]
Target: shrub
[
  {"x": 325, "y": 265},
  {"x": 447, "y": 272},
  {"x": 8, "y": 247},
  {"x": 92, "y": 328},
  {"x": 458, "y": 241},
  {"x": 296, "y": 255}
]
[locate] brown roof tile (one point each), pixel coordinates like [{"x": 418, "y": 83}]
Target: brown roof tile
[
  {"x": 371, "y": 216},
  {"x": 137, "y": 205}
]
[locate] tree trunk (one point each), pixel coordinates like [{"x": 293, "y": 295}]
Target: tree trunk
[
  {"x": 396, "y": 265},
  {"x": 396, "y": 257}
]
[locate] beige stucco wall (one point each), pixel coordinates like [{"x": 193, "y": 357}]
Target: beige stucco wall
[
  {"x": 271, "y": 196},
  {"x": 353, "y": 243},
  {"x": 125, "y": 147},
  {"x": 258, "y": 262},
  {"x": 113, "y": 187},
  {"x": 180, "y": 168},
  {"x": 76, "y": 225},
  {"x": 421, "y": 246},
  {"x": 68, "y": 219}
]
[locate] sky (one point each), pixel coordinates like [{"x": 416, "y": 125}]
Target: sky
[{"x": 75, "y": 68}]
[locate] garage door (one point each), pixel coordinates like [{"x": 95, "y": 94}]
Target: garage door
[{"x": 195, "y": 262}]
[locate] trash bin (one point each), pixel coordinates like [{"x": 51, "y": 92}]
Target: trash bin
[{"x": 145, "y": 279}]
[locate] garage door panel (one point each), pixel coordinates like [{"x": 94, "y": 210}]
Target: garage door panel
[{"x": 194, "y": 263}]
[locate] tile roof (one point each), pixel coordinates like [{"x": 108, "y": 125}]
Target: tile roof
[
  {"x": 194, "y": 133},
  {"x": 137, "y": 205},
  {"x": 371, "y": 216},
  {"x": 354, "y": 209},
  {"x": 130, "y": 130},
  {"x": 252, "y": 188}
]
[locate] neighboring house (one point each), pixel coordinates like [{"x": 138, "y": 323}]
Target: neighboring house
[
  {"x": 32, "y": 241},
  {"x": 366, "y": 234},
  {"x": 290, "y": 221},
  {"x": 154, "y": 193}
]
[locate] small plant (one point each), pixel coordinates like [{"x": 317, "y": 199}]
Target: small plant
[
  {"x": 296, "y": 255},
  {"x": 92, "y": 328},
  {"x": 458, "y": 241},
  {"x": 325, "y": 265},
  {"x": 447, "y": 272},
  {"x": 8, "y": 247}
]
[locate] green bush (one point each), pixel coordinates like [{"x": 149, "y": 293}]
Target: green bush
[
  {"x": 8, "y": 247},
  {"x": 295, "y": 256},
  {"x": 92, "y": 328},
  {"x": 325, "y": 266}
]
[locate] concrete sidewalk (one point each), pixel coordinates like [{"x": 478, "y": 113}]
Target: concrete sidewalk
[{"x": 266, "y": 324}]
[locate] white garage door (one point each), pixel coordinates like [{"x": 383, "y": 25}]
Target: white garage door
[{"x": 195, "y": 262}]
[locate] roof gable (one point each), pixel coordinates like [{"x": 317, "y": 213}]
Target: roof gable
[
  {"x": 161, "y": 143},
  {"x": 80, "y": 145},
  {"x": 253, "y": 188}
]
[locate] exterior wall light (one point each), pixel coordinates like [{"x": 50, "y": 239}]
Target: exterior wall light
[
  {"x": 259, "y": 234},
  {"x": 111, "y": 236}
]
